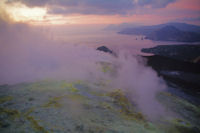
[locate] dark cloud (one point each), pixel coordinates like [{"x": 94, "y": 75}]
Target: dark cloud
[
  {"x": 93, "y": 6},
  {"x": 31, "y": 3},
  {"x": 155, "y": 3}
]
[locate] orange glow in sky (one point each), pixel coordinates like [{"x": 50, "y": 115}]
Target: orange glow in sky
[
  {"x": 23, "y": 13},
  {"x": 19, "y": 12}
]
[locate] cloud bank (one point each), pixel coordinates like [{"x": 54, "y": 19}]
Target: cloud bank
[
  {"x": 154, "y": 3},
  {"x": 106, "y": 7}
]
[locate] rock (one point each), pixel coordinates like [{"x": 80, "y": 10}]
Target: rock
[
  {"x": 104, "y": 49},
  {"x": 79, "y": 128}
]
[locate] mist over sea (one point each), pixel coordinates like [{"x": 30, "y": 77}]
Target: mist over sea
[{"x": 32, "y": 53}]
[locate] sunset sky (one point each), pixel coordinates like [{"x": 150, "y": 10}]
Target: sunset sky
[{"x": 51, "y": 12}]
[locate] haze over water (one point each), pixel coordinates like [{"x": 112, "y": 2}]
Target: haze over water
[
  {"x": 35, "y": 52},
  {"x": 94, "y": 37}
]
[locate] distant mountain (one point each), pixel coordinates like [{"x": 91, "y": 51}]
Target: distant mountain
[
  {"x": 142, "y": 29},
  {"x": 185, "y": 27},
  {"x": 171, "y": 33},
  {"x": 167, "y": 32}
]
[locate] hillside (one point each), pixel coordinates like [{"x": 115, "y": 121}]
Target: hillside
[{"x": 178, "y": 65}]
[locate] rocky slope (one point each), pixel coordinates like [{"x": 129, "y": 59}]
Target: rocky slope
[{"x": 81, "y": 107}]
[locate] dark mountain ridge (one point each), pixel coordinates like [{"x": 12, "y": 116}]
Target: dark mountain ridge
[
  {"x": 180, "y": 32},
  {"x": 178, "y": 65},
  {"x": 171, "y": 33}
]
